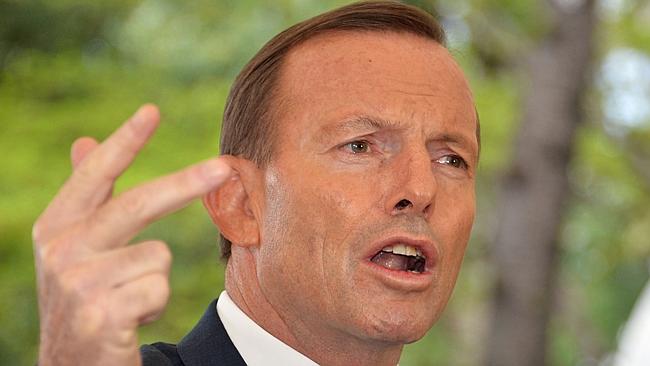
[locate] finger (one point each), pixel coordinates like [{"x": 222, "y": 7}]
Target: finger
[
  {"x": 116, "y": 267},
  {"x": 91, "y": 183},
  {"x": 143, "y": 299},
  {"x": 80, "y": 148},
  {"x": 98, "y": 171},
  {"x": 120, "y": 219}
]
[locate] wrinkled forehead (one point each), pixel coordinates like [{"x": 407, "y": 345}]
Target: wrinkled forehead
[{"x": 396, "y": 76}]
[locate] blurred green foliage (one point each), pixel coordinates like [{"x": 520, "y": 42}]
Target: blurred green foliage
[{"x": 76, "y": 67}]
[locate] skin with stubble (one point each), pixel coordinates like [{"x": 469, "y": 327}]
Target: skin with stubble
[
  {"x": 376, "y": 147},
  {"x": 369, "y": 120}
]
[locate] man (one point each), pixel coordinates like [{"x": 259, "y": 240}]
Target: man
[{"x": 345, "y": 197}]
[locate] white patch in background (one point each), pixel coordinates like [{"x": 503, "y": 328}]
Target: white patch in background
[
  {"x": 624, "y": 80},
  {"x": 634, "y": 345},
  {"x": 612, "y": 9},
  {"x": 453, "y": 15}
]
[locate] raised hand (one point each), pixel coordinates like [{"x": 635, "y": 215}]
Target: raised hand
[{"x": 94, "y": 290}]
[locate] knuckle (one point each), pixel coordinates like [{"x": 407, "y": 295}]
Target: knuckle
[
  {"x": 44, "y": 229},
  {"x": 84, "y": 172},
  {"x": 99, "y": 219},
  {"x": 130, "y": 206},
  {"x": 151, "y": 298},
  {"x": 91, "y": 318},
  {"x": 93, "y": 169},
  {"x": 125, "y": 337},
  {"x": 37, "y": 231},
  {"x": 57, "y": 253},
  {"x": 44, "y": 254},
  {"x": 161, "y": 251},
  {"x": 162, "y": 290},
  {"x": 48, "y": 255},
  {"x": 129, "y": 133},
  {"x": 73, "y": 282},
  {"x": 127, "y": 137},
  {"x": 157, "y": 291}
]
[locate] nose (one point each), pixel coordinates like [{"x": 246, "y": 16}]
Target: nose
[{"x": 415, "y": 185}]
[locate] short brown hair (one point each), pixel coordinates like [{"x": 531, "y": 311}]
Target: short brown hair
[{"x": 246, "y": 129}]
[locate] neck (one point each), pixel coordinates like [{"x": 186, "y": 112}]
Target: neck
[{"x": 323, "y": 345}]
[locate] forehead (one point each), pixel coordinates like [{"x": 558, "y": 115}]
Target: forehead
[
  {"x": 365, "y": 53},
  {"x": 398, "y": 76}
]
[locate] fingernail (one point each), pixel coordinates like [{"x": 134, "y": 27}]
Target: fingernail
[{"x": 215, "y": 170}]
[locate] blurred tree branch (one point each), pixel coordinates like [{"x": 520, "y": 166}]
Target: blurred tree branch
[{"x": 536, "y": 187}]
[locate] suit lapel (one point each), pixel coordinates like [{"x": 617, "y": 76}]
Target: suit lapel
[{"x": 208, "y": 343}]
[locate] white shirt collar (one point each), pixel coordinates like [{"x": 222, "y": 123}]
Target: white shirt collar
[{"x": 256, "y": 346}]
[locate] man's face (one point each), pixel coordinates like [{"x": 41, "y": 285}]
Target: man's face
[{"x": 376, "y": 149}]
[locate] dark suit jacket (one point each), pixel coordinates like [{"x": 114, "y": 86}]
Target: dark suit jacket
[{"x": 207, "y": 344}]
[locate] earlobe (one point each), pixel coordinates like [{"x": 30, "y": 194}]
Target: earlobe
[{"x": 231, "y": 207}]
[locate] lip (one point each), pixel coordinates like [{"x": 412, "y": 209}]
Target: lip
[
  {"x": 427, "y": 247},
  {"x": 404, "y": 280}
]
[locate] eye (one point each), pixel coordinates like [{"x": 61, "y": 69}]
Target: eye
[
  {"x": 358, "y": 147},
  {"x": 453, "y": 160}
]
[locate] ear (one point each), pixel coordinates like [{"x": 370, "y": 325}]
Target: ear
[{"x": 233, "y": 207}]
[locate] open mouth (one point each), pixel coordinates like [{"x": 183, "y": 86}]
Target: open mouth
[{"x": 401, "y": 257}]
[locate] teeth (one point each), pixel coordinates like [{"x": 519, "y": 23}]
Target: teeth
[
  {"x": 399, "y": 249},
  {"x": 403, "y": 250},
  {"x": 410, "y": 251}
]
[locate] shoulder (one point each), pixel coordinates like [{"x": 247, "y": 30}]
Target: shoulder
[
  {"x": 208, "y": 344},
  {"x": 160, "y": 354}
]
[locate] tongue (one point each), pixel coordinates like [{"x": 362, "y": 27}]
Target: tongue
[{"x": 391, "y": 261}]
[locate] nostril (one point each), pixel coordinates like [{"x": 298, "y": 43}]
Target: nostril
[{"x": 403, "y": 204}]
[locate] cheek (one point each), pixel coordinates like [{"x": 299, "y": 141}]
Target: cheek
[
  {"x": 316, "y": 211},
  {"x": 341, "y": 195},
  {"x": 289, "y": 244},
  {"x": 307, "y": 220},
  {"x": 304, "y": 214},
  {"x": 453, "y": 223}
]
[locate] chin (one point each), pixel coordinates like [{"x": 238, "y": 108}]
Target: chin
[{"x": 398, "y": 329}]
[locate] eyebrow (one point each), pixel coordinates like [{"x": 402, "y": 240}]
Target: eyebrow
[
  {"x": 456, "y": 139},
  {"x": 359, "y": 123},
  {"x": 373, "y": 123},
  {"x": 362, "y": 122}
]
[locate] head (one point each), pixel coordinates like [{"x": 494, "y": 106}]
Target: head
[{"x": 353, "y": 132}]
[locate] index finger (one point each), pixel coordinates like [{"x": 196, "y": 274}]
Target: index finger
[
  {"x": 92, "y": 180},
  {"x": 125, "y": 215}
]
